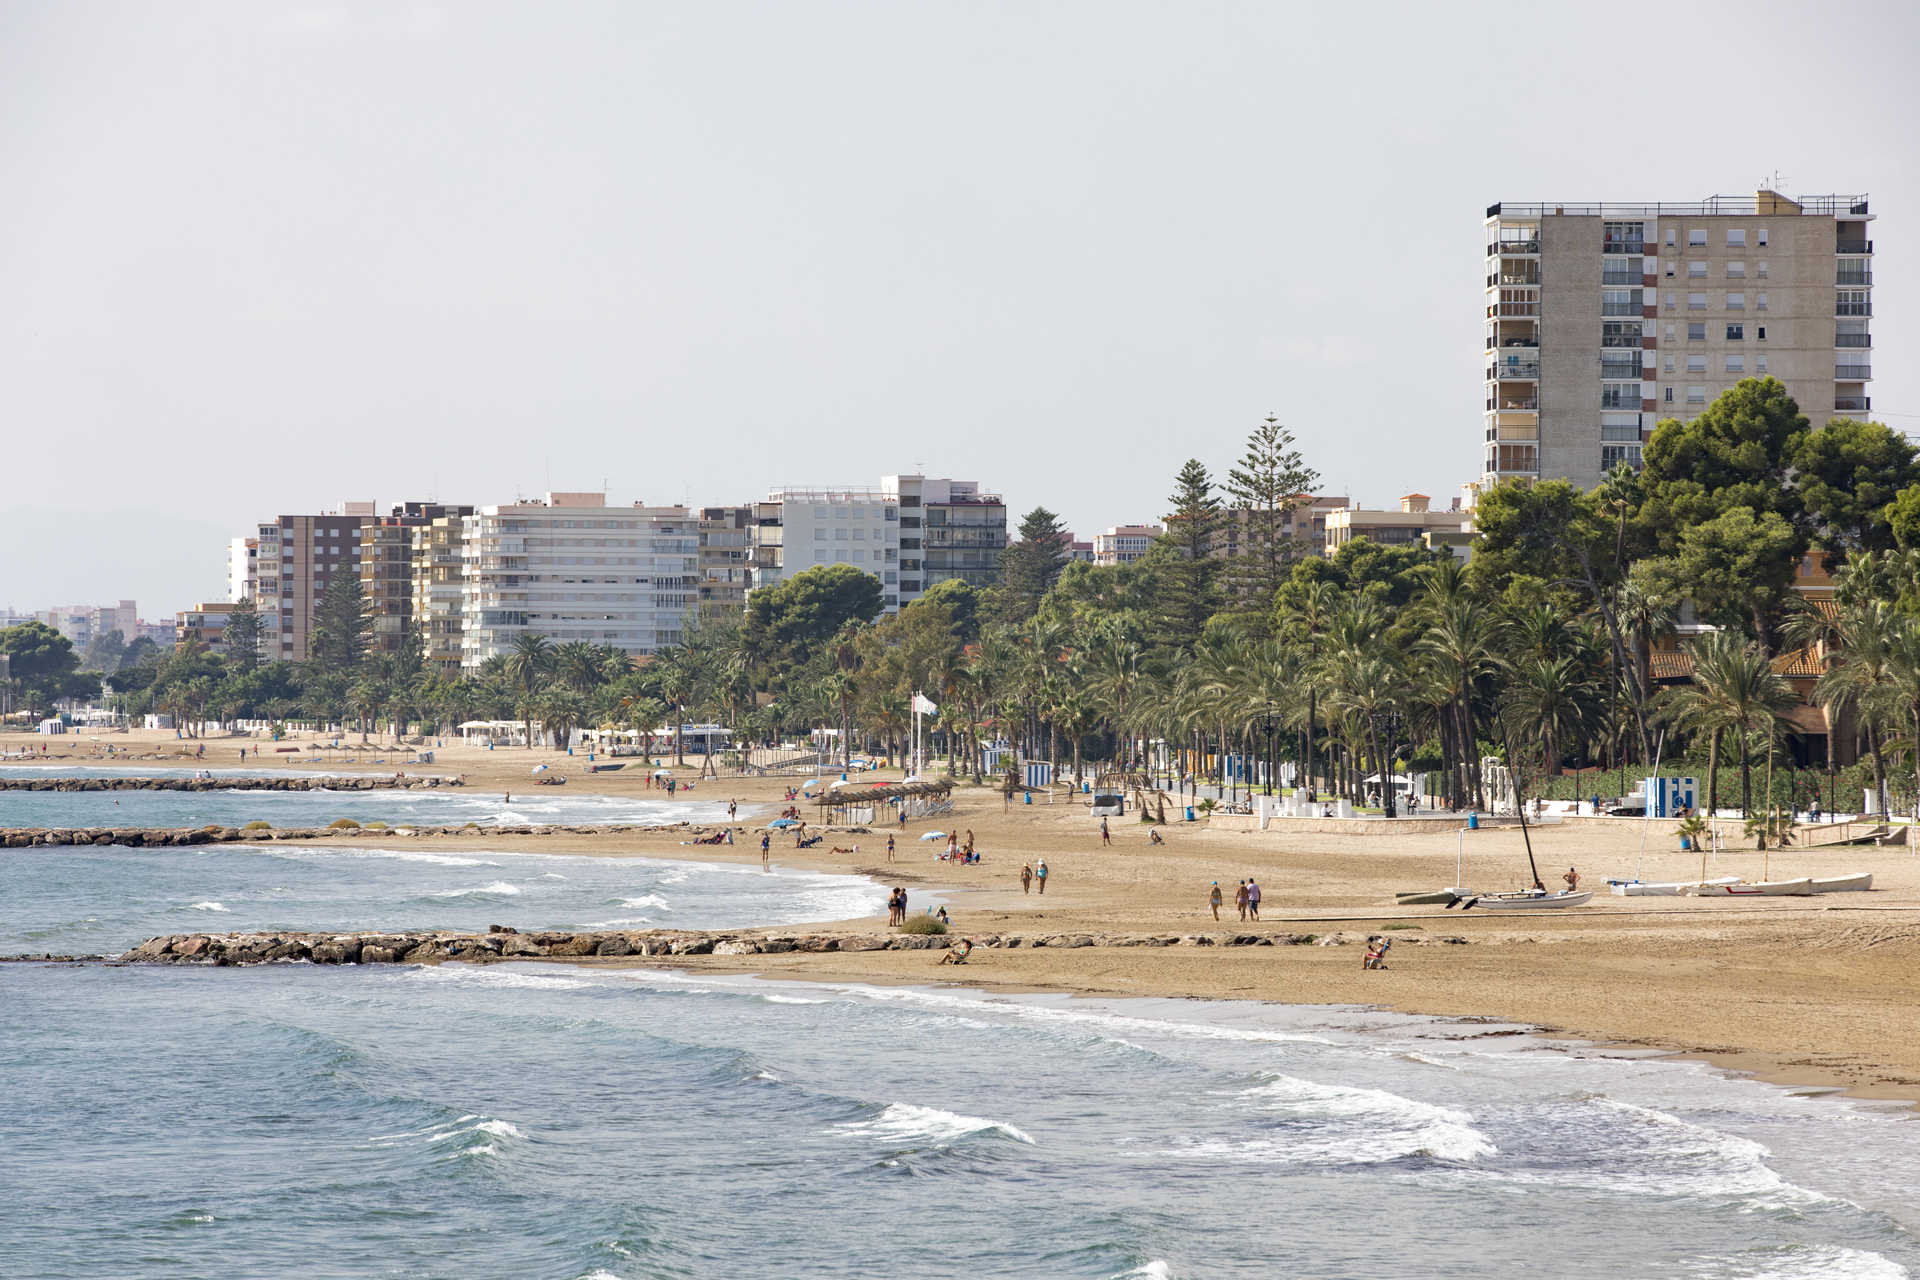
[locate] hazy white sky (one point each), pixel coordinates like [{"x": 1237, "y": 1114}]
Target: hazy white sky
[{"x": 261, "y": 257}]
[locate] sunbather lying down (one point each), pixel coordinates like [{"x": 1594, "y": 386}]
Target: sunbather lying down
[
  {"x": 959, "y": 954},
  {"x": 838, "y": 849}
]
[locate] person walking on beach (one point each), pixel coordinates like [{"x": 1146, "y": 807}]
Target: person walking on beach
[
  {"x": 733, "y": 807},
  {"x": 902, "y": 892},
  {"x": 1106, "y": 836},
  {"x": 1240, "y": 898},
  {"x": 1026, "y": 878},
  {"x": 889, "y": 846},
  {"x": 766, "y": 855},
  {"x": 1253, "y": 899},
  {"x": 1213, "y": 899},
  {"x": 1040, "y": 874}
]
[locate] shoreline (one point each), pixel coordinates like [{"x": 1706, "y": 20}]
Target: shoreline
[{"x": 1803, "y": 993}]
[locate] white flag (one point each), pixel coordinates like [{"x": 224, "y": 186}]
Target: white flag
[{"x": 924, "y": 707}]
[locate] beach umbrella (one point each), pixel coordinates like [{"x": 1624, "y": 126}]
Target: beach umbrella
[
  {"x": 539, "y": 769},
  {"x": 934, "y": 835},
  {"x": 663, "y": 773},
  {"x": 784, "y": 822}
]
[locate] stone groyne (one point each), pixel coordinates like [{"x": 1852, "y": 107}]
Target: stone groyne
[
  {"x": 332, "y": 782},
  {"x": 502, "y": 943},
  {"x": 139, "y": 837}
]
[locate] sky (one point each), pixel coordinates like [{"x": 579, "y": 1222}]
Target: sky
[{"x": 260, "y": 258}]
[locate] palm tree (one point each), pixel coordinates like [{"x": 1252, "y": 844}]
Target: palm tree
[
  {"x": 1304, "y": 618},
  {"x": 1552, "y": 700},
  {"x": 1897, "y": 697},
  {"x": 1461, "y": 642},
  {"x": 1860, "y": 641},
  {"x": 1734, "y": 689},
  {"x": 526, "y": 668},
  {"x": 579, "y": 665}
]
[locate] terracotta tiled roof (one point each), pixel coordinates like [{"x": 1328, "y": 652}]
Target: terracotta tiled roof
[
  {"x": 1800, "y": 663},
  {"x": 1670, "y": 665}
]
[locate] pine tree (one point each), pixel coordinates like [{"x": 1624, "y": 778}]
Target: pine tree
[
  {"x": 241, "y": 637},
  {"x": 342, "y": 626},
  {"x": 1030, "y": 566},
  {"x": 1188, "y": 596},
  {"x": 1271, "y": 480}
]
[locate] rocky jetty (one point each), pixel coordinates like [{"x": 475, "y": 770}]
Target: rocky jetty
[
  {"x": 502, "y": 943},
  {"x": 334, "y": 782}
]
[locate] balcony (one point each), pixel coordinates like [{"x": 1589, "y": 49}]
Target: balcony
[
  {"x": 1620, "y": 398},
  {"x": 1853, "y": 308},
  {"x": 1518, "y": 404},
  {"x": 1530, "y": 276},
  {"x": 1852, "y": 404},
  {"x": 1511, "y": 372},
  {"x": 1500, "y": 310},
  {"x": 1854, "y": 246},
  {"x": 1853, "y": 340},
  {"x": 1853, "y": 373},
  {"x": 1636, "y": 247},
  {"x": 1510, "y": 248},
  {"x": 1622, "y": 273},
  {"x": 1631, "y": 341},
  {"x": 1852, "y": 279}
]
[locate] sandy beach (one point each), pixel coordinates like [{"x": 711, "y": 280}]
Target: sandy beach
[{"x": 1813, "y": 991}]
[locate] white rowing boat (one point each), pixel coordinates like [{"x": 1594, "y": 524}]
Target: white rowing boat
[
  {"x": 1763, "y": 889},
  {"x": 1667, "y": 889},
  {"x": 1531, "y": 901},
  {"x": 1859, "y": 883}
]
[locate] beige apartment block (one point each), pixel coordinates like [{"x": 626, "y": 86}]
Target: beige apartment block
[
  {"x": 1415, "y": 521},
  {"x": 1125, "y": 543},
  {"x": 1602, "y": 320},
  {"x": 439, "y": 586}
]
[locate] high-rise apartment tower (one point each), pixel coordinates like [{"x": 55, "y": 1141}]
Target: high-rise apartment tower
[{"x": 1604, "y": 319}]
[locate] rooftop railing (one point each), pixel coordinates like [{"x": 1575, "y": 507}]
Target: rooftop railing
[{"x": 1820, "y": 206}]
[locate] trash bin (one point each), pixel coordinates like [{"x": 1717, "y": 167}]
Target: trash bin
[
  {"x": 1473, "y": 822},
  {"x": 1029, "y": 796},
  {"x": 1189, "y": 813}
]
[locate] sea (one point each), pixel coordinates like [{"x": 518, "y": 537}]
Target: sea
[
  {"x": 579, "y": 1123},
  {"x": 434, "y": 806}
]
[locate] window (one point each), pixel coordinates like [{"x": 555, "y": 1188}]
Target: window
[
  {"x": 1696, "y": 331},
  {"x": 839, "y": 535},
  {"x": 1736, "y": 270},
  {"x": 1696, "y": 364},
  {"x": 1736, "y": 364},
  {"x": 1760, "y": 364},
  {"x": 1669, "y": 268},
  {"x": 1696, "y": 239},
  {"x": 1620, "y": 302},
  {"x": 1623, "y": 237},
  {"x": 1620, "y": 333},
  {"x": 1612, "y": 455},
  {"x": 840, "y": 513},
  {"x": 1696, "y": 302},
  {"x": 1669, "y": 395},
  {"x": 1760, "y": 302},
  {"x": 1736, "y": 302},
  {"x": 1670, "y": 239},
  {"x": 1696, "y": 395},
  {"x": 1760, "y": 268},
  {"x": 1736, "y": 333},
  {"x": 1763, "y": 235},
  {"x": 1760, "y": 333},
  {"x": 1696, "y": 271},
  {"x": 1736, "y": 238},
  {"x": 1669, "y": 333},
  {"x": 1669, "y": 302},
  {"x": 1620, "y": 395},
  {"x": 1669, "y": 364},
  {"x": 1622, "y": 432}
]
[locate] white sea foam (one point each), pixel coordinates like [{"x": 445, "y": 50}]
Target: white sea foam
[
  {"x": 1802, "y": 1262},
  {"x": 207, "y": 906},
  {"x": 497, "y": 889},
  {"x": 1092, "y": 1018},
  {"x": 1351, "y": 1126},
  {"x": 395, "y": 855},
  {"x": 770, "y": 998},
  {"x": 1155, "y": 1270},
  {"x": 644, "y": 901},
  {"x": 468, "y": 975},
  {"x": 905, "y": 1122},
  {"x": 492, "y": 1128}
]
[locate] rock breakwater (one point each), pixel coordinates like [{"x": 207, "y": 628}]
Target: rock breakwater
[
  {"x": 139, "y": 837},
  {"x": 501, "y": 943}
]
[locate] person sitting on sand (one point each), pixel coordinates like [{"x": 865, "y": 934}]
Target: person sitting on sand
[
  {"x": 958, "y": 954},
  {"x": 941, "y": 916},
  {"x": 1153, "y": 836},
  {"x": 1376, "y": 957}
]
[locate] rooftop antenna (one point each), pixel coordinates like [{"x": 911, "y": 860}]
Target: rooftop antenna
[{"x": 1777, "y": 183}]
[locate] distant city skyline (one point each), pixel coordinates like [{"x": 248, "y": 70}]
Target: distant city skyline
[{"x": 268, "y": 256}]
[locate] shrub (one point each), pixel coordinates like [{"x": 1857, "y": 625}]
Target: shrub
[
  {"x": 343, "y": 824},
  {"x": 923, "y": 924},
  {"x": 374, "y": 826},
  {"x": 258, "y": 824}
]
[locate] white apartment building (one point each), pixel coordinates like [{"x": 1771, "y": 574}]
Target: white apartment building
[
  {"x": 1125, "y": 543},
  {"x": 243, "y": 569},
  {"x": 910, "y": 531},
  {"x": 1604, "y": 319},
  {"x": 571, "y": 567}
]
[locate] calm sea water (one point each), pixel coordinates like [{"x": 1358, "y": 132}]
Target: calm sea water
[
  {"x": 92, "y": 901},
  {"x": 518, "y": 1121},
  {"x": 439, "y": 806}
]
